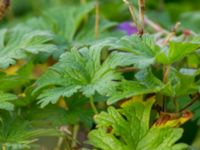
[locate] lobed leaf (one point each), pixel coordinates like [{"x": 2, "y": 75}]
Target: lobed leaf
[
  {"x": 20, "y": 41},
  {"x": 143, "y": 50},
  {"x": 146, "y": 83},
  {"x": 81, "y": 70},
  {"x": 128, "y": 129}
]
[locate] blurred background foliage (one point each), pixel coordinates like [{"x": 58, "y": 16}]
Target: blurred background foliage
[{"x": 165, "y": 12}]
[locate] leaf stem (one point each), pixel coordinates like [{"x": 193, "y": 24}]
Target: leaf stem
[
  {"x": 155, "y": 26},
  {"x": 93, "y": 105},
  {"x": 59, "y": 143},
  {"x": 176, "y": 105},
  {"x": 97, "y": 12},
  {"x": 171, "y": 34},
  {"x": 67, "y": 145},
  {"x": 196, "y": 98},
  {"x": 74, "y": 136},
  {"x": 166, "y": 70},
  {"x": 127, "y": 69}
]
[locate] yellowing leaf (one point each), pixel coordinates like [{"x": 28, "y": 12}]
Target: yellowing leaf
[
  {"x": 12, "y": 70},
  {"x": 62, "y": 103},
  {"x": 173, "y": 119},
  {"x": 127, "y": 128}
]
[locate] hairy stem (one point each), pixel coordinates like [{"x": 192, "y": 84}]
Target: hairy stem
[
  {"x": 93, "y": 105},
  {"x": 141, "y": 4},
  {"x": 97, "y": 12}
]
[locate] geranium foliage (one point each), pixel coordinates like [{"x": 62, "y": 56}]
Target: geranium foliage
[
  {"x": 83, "y": 75},
  {"x": 121, "y": 129}
]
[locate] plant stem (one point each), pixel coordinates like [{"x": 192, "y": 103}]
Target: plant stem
[
  {"x": 196, "y": 98},
  {"x": 155, "y": 26},
  {"x": 133, "y": 14},
  {"x": 68, "y": 145},
  {"x": 169, "y": 37},
  {"x": 74, "y": 136},
  {"x": 141, "y": 4},
  {"x": 93, "y": 105},
  {"x": 59, "y": 143},
  {"x": 166, "y": 70},
  {"x": 97, "y": 20},
  {"x": 171, "y": 34},
  {"x": 176, "y": 104},
  {"x": 127, "y": 69},
  {"x": 143, "y": 19}
]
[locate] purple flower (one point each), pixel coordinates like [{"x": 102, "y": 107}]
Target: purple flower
[{"x": 128, "y": 27}]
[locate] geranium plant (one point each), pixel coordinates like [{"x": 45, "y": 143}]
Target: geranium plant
[{"x": 74, "y": 76}]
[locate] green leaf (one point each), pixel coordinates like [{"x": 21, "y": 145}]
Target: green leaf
[
  {"x": 128, "y": 129},
  {"x": 143, "y": 50},
  {"x": 6, "y": 101},
  {"x": 62, "y": 21},
  {"x": 182, "y": 82},
  {"x": 81, "y": 70},
  {"x": 176, "y": 52},
  {"x": 52, "y": 95},
  {"x": 146, "y": 83},
  {"x": 17, "y": 132},
  {"x": 20, "y": 41},
  {"x": 11, "y": 82}
]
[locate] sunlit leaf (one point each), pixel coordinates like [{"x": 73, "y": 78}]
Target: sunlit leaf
[
  {"x": 81, "y": 70},
  {"x": 127, "y": 128}
]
